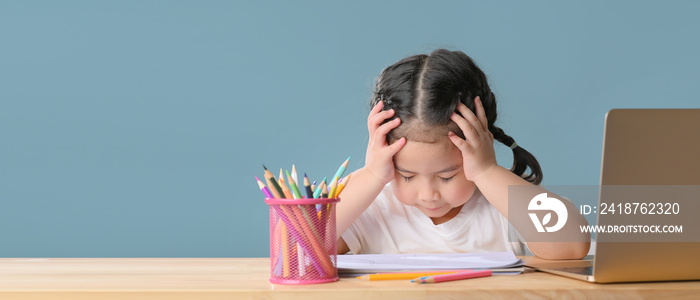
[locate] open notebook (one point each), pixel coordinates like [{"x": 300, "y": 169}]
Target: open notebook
[{"x": 498, "y": 262}]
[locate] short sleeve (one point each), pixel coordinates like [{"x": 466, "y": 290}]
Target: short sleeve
[
  {"x": 367, "y": 230},
  {"x": 517, "y": 241},
  {"x": 351, "y": 240}
]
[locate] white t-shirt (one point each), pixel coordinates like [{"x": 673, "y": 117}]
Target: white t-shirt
[{"x": 389, "y": 226}]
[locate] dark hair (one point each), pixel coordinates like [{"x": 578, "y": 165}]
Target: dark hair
[{"x": 424, "y": 90}]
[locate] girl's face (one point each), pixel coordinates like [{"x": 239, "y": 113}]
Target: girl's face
[{"x": 430, "y": 177}]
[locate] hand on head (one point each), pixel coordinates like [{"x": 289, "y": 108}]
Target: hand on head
[
  {"x": 379, "y": 158},
  {"x": 477, "y": 146}
]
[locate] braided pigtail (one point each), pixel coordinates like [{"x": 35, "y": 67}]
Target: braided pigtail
[{"x": 522, "y": 159}]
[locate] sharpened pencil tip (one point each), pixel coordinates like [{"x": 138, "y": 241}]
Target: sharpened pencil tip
[{"x": 264, "y": 167}]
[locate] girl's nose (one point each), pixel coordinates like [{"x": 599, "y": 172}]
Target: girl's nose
[{"x": 428, "y": 192}]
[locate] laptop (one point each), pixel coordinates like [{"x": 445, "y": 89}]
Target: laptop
[{"x": 649, "y": 147}]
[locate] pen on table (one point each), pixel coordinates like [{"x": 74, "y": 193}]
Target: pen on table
[
  {"x": 264, "y": 189},
  {"x": 276, "y": 189},
  {"x": 407, "y": 275},
  {"x": 452, "y": 277}
]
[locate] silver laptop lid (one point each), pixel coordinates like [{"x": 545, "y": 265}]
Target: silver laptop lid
[{"x": 648, "y": 147}]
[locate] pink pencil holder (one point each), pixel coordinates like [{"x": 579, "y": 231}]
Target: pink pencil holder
[{"x": 302, "y": 241}]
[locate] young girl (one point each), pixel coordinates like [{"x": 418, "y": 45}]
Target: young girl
[{"x": 430, "y": 182}]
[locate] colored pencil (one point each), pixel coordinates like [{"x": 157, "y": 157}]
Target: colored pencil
[
  {"x": 294, "y": 174},
  {"x": 306, "y": 235},
  {"x": 288, "y": 195},
  {"x": 293, "y": 226},
  {"x": 264, "y": 189},
  {"x": 341, "y": 186},
  {"x": 324, "y": 190},
  {"x": 285, "y": 250},
  {"x": 407, "y": 275},
  {"x": 324, "y": 194},
  {"x": 285, "y": 190},
  {"x": 293, "y": 185},
  {"x": 301, "y": 265},
  {"x": 334, "y": 186},
  {"x": 309, "y": 220},
  {"x": 276, "y": 189},
  {"x": 278, "y": 265},
  {"x": 317, "y": 191},
  {"x": 342, "y": 168},
  {"x": 307, "y": 187},
  {"x": 452, "y": 277}
]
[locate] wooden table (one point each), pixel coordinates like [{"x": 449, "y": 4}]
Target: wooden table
[{"x": 247, "y": 278}]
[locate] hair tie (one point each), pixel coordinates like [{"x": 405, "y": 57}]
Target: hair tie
[{"x": 513, "y": 145}]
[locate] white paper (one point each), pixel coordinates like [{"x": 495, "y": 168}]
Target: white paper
[{"x": 426, "y": 261}]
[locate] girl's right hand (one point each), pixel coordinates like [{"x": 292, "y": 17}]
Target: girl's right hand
[{"x": 379, "y": 160}]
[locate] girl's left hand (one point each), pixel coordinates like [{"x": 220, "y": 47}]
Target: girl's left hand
[{"x": 477, "y": 147}]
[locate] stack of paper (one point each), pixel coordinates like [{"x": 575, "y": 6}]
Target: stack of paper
[{"x": 498, "y": 262}]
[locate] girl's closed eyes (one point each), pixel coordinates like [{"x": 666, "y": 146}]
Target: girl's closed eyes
[
  {"x": 447, "y": 179},
  {"x": 408, "y": 178},
  {"x": 445, "y": 175}
]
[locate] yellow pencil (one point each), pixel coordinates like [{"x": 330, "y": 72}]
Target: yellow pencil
[
  {"x": 407, "y": 275},
  {"x": 341, "y": 186},
  {"x": 334, "y": 185}
]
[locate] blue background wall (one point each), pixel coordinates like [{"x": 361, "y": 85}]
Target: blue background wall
[{"x": 134, "y": 128}]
